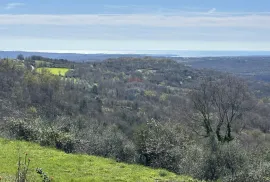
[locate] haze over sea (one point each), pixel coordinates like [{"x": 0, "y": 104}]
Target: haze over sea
[{"x": 169, "y": 53}]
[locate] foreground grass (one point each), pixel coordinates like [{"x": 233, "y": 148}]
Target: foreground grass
[
  {"x": 70, "y": 167},
  {"x": 55, "y": 71}
]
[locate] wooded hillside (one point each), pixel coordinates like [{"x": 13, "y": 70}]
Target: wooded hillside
[{"x": 150, "y": 111}]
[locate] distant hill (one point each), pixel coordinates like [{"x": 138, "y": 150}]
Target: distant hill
[
  {"x": 154, "y": 53},
  {"x": 68, "y": 56}
]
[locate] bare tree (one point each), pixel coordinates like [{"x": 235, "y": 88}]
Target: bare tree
[{"x": 219, "y": 104}]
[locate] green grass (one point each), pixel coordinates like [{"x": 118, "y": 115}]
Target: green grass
[
  {"x": 55, "y": 71},
  {"x": 71, "y": 167}
]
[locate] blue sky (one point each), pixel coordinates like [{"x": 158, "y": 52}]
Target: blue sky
[{"x": 115, "y": 26}]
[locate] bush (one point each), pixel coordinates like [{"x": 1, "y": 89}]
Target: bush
[
  {"x": 43, "y": 175},
  {"x": 163, "y": 173},
  {"x": 159, "y": 145},
  {"x": 260, "y": 173},
  {"x": 192, "y": 162},
  {"x": 23, "y": 129},
  {"x": 61, "y": 140},
  {"x": 33, "y": 130},
  {"x": 224, "y": 160},
  {"x": 107, "y": 142}
]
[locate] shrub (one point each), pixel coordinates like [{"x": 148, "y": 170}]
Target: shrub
[
  {"x": 23, "y": 130},
  {"x": 159, "y": 145},
  {"x": 61, "y": 140},
  {"x": 150, "y": 93},
  {"x": 224, "y": 160},
  {"x": 192, "y": 161},
  {"x": 35, "y": 131},
  {"x": 43, "y": 175},
  {"x": 163, "y": 173},
  {"x": 260, "y": 173},
  {"x": 108, "y": 142},
  {"x": 32, "y": 110}
]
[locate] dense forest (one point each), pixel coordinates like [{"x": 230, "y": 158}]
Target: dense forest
[{"x": 151, "y": 111}]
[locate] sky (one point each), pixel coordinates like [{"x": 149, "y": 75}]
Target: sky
[{"x": 92, "y": 26}]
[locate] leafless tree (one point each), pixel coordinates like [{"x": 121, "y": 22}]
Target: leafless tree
[{"x": 218, "y": 104}]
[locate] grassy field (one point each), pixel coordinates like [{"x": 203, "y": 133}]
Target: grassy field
[
  {"x": 70, "y": 167},
  {"x": 55, "y": 71}
]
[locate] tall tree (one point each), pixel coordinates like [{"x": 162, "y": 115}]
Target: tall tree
[{"x": 219, "y": 104}]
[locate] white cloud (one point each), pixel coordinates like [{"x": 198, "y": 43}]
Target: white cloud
[
  {"x": 204, "y": 29},
  {"x": 13, "y": 5},
  {"x": 149, "y": 20},
  {"x": 212, "y": 10}
]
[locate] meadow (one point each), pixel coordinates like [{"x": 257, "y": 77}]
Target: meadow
[
  {"x": 69, "y": 167},
  {"x": 55, "y": 71}
]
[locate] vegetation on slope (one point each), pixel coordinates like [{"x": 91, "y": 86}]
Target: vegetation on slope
[
  {"x": 140, "y": 110},
  {"x": 69, "y": 167}
]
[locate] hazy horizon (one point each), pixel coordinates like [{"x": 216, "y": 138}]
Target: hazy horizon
[{"x": 170, "y": 53}]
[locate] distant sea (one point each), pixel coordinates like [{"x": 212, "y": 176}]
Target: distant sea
[
  {"x": 181, "y": 53},
  {"x": 101, "y": 55}
]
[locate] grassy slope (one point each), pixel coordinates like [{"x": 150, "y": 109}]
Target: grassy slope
[
  {"x": 70, "y": 167},
  {"x": 55, "y": 71}
]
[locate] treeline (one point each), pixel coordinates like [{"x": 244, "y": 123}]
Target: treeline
[
  {"x": 154, "y": 112},
  {"x": 39, "y": 61}
]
